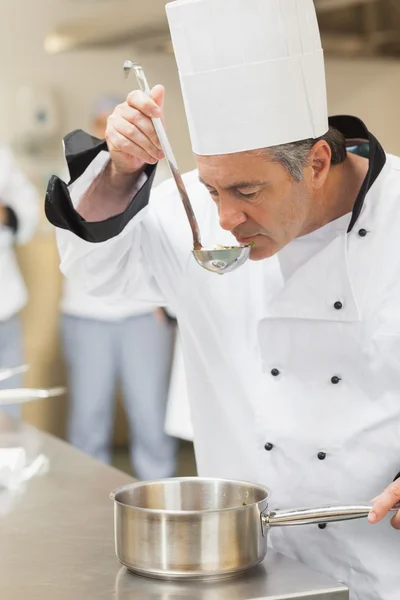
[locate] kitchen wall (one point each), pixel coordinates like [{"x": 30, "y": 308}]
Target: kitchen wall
[
  {"x": 77, "y": 80},
  {"x": 370, "y": 89}
]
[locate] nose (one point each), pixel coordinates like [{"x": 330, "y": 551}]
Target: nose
[{"x": 229, "y": 215}]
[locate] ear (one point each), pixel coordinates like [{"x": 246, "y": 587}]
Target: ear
[{"x": 320, "y": 162}]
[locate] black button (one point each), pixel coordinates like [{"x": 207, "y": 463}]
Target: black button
[
  {"x": 362, "y": 232},
  {"x": 322, "y": 525},
  {"x": 275, "y": 372},
  {"x": 338, "y": 305},
  {"x": 268, "y": 447},
  {"x": 335, "y": 380},
  {"x": 321, "y": 455}
]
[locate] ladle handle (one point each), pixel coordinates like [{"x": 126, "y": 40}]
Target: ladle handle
[
  {"x": 313, "y": 516},
  {"x": 172, "y": 162}
]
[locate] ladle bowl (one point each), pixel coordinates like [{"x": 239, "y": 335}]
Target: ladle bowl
[{"x": 222, "y": 260}]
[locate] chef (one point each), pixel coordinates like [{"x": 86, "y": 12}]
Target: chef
[
  {"x": 19, "y": 218},
  {"x": 293, "y": 360}
]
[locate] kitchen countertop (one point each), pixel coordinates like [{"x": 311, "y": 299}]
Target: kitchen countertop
[{"x": 57, "y": 543}]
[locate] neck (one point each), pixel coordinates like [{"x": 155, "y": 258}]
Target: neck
[{"x": 339, "y": 193}]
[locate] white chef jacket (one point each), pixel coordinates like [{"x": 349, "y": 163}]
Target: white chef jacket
[
  {"x": 75, "y": 301},
  {"x": 20, "y": 196},
  {"x": 293, "y": 382}
]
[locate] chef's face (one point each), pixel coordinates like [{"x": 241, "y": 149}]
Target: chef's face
[{"x": 259, "y": 201}]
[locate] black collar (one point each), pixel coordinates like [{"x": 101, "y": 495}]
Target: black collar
[{"x": 354, "y": 130}]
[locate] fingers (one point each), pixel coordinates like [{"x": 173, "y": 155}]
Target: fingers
[
  {"x": 146, "y": 104},
  {"x": 118, "y": 144},
  {"x": 136, "y": 128},
  {"x": 150, "y": 107},
  {"x": 384, "y": 503},
  {"x": 130, "y": 129}
]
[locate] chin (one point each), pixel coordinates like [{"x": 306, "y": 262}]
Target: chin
[{"x": 262, "y": 252}]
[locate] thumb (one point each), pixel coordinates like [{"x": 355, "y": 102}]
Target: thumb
[{"x": 158, "y": 95}]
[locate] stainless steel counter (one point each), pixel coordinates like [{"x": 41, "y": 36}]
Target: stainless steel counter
[{"x": 57, "y": 544}]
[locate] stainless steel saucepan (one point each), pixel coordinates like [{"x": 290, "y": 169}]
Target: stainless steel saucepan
[{"x": 196, "y": 528}]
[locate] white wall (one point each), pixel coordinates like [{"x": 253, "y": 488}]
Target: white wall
[
  {"x": 77, "y": 78},
  {"x": 370, "y": 89}
]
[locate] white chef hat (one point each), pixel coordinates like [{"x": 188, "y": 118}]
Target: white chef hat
[{"x": 251, "y": 71}]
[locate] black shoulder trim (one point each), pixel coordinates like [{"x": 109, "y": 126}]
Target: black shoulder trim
[
  {"x": 354, "y": 129},
  {"x": 80, "y": 150}
]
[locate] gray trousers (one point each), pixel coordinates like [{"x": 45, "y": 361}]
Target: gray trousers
[
  {"x": 136, "y": 352},
  {"x": 11, "y": 355}
]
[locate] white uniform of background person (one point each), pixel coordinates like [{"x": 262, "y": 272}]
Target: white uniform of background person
[
  {"x": 293, "y": 363},
  {"x": 19, "y": 217},
  {"x": 106, "y": 344},
  {"x": 178, "y": 421}
]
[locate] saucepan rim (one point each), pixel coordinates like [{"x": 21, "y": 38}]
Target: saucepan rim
[{"x": 180, "y": 513}]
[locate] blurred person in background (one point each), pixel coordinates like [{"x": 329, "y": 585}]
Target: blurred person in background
[
  {"x": 19, "y": 218},
  {"x": 104, "y": 344}
]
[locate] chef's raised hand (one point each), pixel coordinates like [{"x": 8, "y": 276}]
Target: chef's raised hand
[
  {"x": 384, "y": 503},
  {"x": 130, "y": 135}
]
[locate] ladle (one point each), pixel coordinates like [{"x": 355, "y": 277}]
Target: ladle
[{"x": 218, "y": 260}]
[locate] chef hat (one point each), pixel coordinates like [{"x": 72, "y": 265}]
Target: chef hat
[{"x": 251, "y": 71}]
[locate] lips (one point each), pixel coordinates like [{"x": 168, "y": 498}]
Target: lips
[{"x": 245, "y": 240}]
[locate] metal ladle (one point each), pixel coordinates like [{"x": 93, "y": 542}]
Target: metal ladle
[{"x": 218, "y": 260}]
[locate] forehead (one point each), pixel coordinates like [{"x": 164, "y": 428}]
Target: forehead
[{"x": 244, "y": 166}]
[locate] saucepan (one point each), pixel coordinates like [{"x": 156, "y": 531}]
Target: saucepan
[{"x": 202, "y": 528}]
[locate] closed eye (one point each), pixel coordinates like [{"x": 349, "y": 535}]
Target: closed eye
[
  {"x": 247, "y": 196},
  {"x": 251, "y": 195}
]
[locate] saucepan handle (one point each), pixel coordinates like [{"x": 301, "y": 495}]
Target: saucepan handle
[{"x": 310, "y": 516}]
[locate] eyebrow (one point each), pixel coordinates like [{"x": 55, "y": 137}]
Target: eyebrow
[{"x": 239, "y": 184}]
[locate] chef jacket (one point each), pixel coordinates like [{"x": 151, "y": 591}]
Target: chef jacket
[
  {"x": 75, "y": 302},
  {"x": 20, "y": 198},
  {"x": 292, "y": 363}
]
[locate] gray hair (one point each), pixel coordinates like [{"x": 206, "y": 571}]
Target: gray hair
[{"x": 295, "y": 156}]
